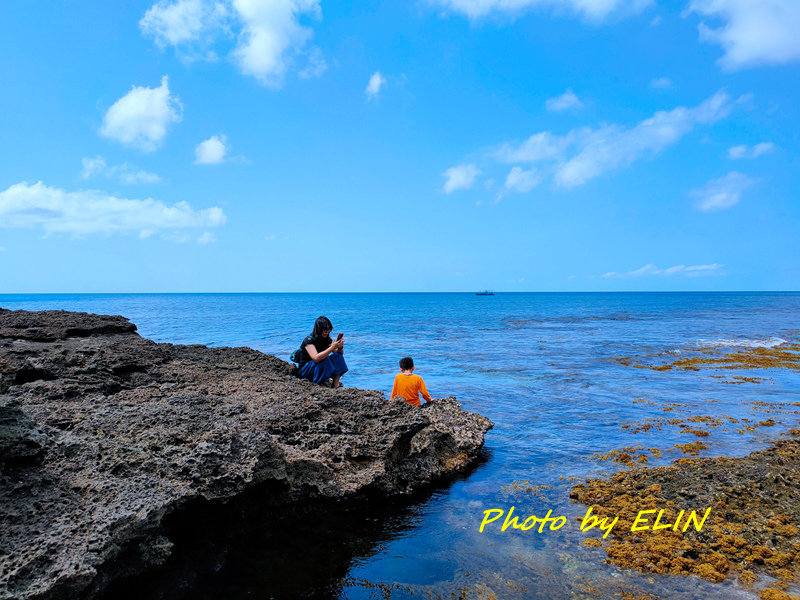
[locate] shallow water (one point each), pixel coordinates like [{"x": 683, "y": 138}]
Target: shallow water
[{"x": 546, "y": 369}]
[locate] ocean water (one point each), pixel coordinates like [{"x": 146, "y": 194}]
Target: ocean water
[{"x": 546, "y": 368}]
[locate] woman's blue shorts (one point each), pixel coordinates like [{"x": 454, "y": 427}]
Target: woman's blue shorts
[{"x": 318, "y": 372}]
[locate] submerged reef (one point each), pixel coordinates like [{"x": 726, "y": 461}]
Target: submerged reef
[
  {"x": 104, "y": 435},
  {"x": 783, "y": 356},
  {"x": 751, "y": 530}
]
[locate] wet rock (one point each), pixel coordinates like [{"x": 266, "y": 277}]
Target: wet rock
[
  {"x": 753, "y": 514},
  {"x": 104, "y": 433}
]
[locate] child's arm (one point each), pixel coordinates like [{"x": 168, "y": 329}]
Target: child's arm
[
  {"x": 424, "y": 391},
  {"x": 394, "y": 389}
]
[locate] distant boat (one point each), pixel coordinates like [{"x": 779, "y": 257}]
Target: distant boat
[{"x": 485, "y": 293}]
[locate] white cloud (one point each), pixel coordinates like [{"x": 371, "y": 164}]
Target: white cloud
[
  {"x": 141, "y": 117},
  {"x": 266, "y": 32},
  {"x": 736, "y": 152},
  {"x": 93, "y": 167},
  {"x": 316, "y": 65},
  {"x": 212, "y": 151},
  {"x": 656, "y": 21},
  {"x": 612, "y": 147},
  {"x": 722, "y": 193},
  {"x": 591, "y": 10},
  {"x": 651, "y": 270},
  {"x": 269, "y": 29},
  {"x": 376, "y": 82},
  {"x": 754, "y": 32},
  {"x": 696, "y": 270},
  {"x": 207, "y": 238},
  {"x": 566, "y": 101},
  {"x": 269, "y": 238},
  {"x": 129, "y": 174},
  {"x": 92, "y": 211},
  {"x": 519, "y": 180},
  {"x": 662, "y": 83},
  {"x": 585, "y": 153},
  {"x": 743, "y": 151},
  {"x": 460, "y": 177},
  {"x": 539, "y": 147},
  {"x": 182, "y": 22}
]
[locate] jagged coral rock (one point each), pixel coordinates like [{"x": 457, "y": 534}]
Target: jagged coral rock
[{"x": 104, "y": 433}]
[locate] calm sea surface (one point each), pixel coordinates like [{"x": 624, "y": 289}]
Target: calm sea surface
[{"x": 546, "y": 369}]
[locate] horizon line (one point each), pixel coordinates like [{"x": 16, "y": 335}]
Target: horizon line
[{"x": 407, "y": 292}]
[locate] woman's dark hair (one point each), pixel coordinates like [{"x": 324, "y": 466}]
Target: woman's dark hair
[
  {"x": 320, "y": 325},
  {"x": 407, "y": 363}
]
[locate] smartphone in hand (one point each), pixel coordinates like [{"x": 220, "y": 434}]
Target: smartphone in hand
[{"x": 340, "y": 336}]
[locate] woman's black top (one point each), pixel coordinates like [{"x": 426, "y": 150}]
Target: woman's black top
[{"x": 321, "y": 345}]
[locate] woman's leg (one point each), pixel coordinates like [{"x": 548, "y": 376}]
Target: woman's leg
[
  {"x": 318, "y": 372},
  {"x": 340, "y": 367}
]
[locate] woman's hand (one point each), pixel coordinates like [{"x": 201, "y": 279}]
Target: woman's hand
[{"x": 337, "y": 345}]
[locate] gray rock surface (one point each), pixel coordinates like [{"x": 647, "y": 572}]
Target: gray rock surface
[{"x": 104, "y": 433}]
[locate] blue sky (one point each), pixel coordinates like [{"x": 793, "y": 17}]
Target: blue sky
[{"x": 442, "y": 145}]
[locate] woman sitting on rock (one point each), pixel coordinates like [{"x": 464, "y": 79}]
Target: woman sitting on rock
[{"x": 322, "y": 357}]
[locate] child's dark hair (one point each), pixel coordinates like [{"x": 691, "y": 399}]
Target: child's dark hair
[
  {"x": 320, "y": 325},
  {"x": 406, "y": 363}
]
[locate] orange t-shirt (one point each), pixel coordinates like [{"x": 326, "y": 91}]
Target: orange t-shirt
[{"x": 410, "y": 387}]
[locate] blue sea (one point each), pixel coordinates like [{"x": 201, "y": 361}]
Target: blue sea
[{"x": 547, "y": 369}]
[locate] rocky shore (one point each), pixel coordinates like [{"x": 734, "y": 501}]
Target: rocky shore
[
  {"x": 105, "y": 434},
  {"x": 752, "y": 528}
]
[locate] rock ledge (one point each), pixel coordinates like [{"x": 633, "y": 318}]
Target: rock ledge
[{"x": 104, "y": 433}]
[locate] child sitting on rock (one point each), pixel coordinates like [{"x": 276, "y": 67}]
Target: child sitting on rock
[{"x": 408, "y": 385}]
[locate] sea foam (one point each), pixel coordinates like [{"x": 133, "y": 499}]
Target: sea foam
[{"x": 769, "y": 342}]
